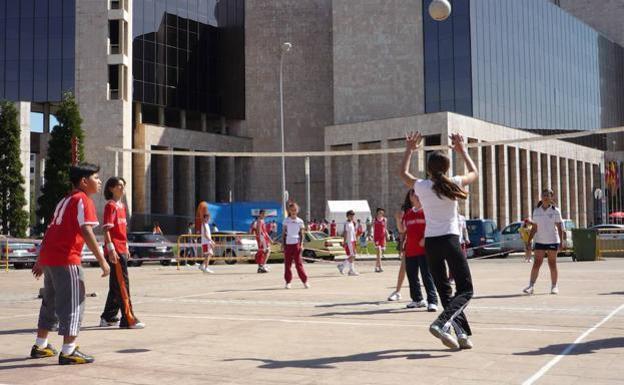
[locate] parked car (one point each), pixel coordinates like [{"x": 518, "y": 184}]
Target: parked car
[
  {"x": 511, "y": 239},
  {"x": 21, "y": 254},
  {"x": 139, "y": 254},
  {"x": 233, "y": 245},
  {"x": 88, "y": 257},
  {"x": 484, "y": 233},
  {"x": 317, "y": 244},
  {"x": 607, "y": 226}
]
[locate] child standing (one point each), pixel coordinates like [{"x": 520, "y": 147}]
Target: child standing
[
  {"x": 116, "y": 253},
  {"x": 332, "y": 228},
  {"x": 264, "y": 243},
  {"x": 525, "y": 233},
  {"x": 207, "y": 244},
  {"x": 292, "y": 241},
  {"x": 349, "y": 245},
  {"x": 415, "y": 256},
  {"x": 379, "y": 237},
  {"x": 59, "y": 261}
]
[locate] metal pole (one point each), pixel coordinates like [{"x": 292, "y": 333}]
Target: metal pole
[
  {"x": 307, "y": 177},
  {"x": 281, "y": 96}
]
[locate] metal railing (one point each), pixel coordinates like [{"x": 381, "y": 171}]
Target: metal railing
[{"x": 609, "y": 242}]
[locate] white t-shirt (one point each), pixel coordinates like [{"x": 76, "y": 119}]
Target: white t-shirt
[
  {"x": 206, "y": 237},
  {"x": 349, "y": 232},
  {"x": 546, "y": 219},
  {"x": 441, "y": 213},
  {"x": 462, "y": 226},
  {"x": 292, "y": 228}
]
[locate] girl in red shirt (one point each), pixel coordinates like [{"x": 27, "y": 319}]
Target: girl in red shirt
[{"x": 415, "y": 256}]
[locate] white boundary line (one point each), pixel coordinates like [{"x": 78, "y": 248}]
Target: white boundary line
[{"x": 569, "y": 348}]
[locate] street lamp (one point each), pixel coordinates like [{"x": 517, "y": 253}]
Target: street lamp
[{"x": 286, "y": 47}]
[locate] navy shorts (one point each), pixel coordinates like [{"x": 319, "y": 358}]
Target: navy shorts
[{"x": 546, "y": 246}]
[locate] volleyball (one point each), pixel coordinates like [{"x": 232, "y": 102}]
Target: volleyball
[{"x": 439, "y": 10}]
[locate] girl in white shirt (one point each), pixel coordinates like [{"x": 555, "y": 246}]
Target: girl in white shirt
[
  {"x": 207, "y": 244},
  {"x": 438, "y": 196},
  {"x": 547, "y": 232},
  {"x": 292, "y": 241}
]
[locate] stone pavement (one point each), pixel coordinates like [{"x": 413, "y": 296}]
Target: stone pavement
[{"x": 239, "y": 327}]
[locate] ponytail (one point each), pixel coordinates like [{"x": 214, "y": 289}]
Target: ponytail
[{"x": 444, "y": 186}]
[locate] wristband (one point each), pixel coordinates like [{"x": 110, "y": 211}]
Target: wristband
[{"x": 110, "y": 247}]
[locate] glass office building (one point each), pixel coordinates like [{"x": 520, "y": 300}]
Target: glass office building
[
  {"x": 522, "y": 63},
  {"x": 37, "y": 44},
  {"x": 189, "y": 55}
]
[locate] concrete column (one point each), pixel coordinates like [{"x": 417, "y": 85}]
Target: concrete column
[
  {"x": 582, "y": 194},
  {"x": 138, "y": 113},
  {"x": 476, "y": 190},
  {"x": 526, "y": 202},
  {"x": 168, "y": 181},
  {"x": 161, "y": 116},
  {"x": 555, "y": 178},
  {"x": 490, "y": 188},
  {"x": 589, "y": 190},
  {"x": 502, "y": 175},
  {"x": 565, "y": 190},
  {"x": 46, "y": 118},
  {"x": 385, "y": 177},
  {"x": 574, "y": 209},
  {"x": 183, "y": 119},
  {"x": 355, "y": 169},
  {"x": 23, "y": 110},
  {"x": 328, "y": 175},
  {"x": 514, "y": 183},
  {"x": 204, "y": 123},
  {"x": 536, "y": 178},
  {"x": 545, "y": 170}
]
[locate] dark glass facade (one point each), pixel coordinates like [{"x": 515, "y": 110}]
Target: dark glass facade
[
  {"x": 37, "y": 44},
  {"x": 532, "y": 65},
  {"x": 189, "y": 54}
]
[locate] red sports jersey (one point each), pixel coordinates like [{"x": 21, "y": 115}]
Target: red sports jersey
[
  {"x": 379, "y": 229},
  {"x": 332, "y": 229},
  {"x": 115, "y": 220},
  {"x": 263, "y": 237},
  {"x": 63, "y": 242},
  {"x": 414, "y": 222}
]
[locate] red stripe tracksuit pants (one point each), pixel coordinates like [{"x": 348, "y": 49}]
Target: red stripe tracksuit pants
[{"x": 292, "y": 253}]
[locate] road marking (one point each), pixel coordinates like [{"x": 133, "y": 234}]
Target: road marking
[{"x": 569, "y": 348}]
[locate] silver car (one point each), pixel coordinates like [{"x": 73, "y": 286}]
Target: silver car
[
  {"x": 512, "y": 241},
  {"x": 21, "y": 254},
  {"x": 232, "y": 245}
]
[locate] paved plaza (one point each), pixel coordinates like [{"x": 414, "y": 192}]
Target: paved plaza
[{"x": 239, "y": 327}]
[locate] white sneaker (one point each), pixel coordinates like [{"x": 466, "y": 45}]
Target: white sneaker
[
  {"x": 353, "y": 272},
  {"x": 287, "y": 286},
  {"x": 207, "y": 270},
  {"x": 104, "y": 323},
  {"x": 554, "y": 289},
  {"x": 306, "y": 285},
  {"x": 464, "y": 342},
  {"x": 341, "y": 267},
  {"x": 395, "y": 296},
  {"x": 378, "y": 269},
  {"x": 528, "y": 290},
  {"x": 138, "y": 325},
  {"x": 415, "y": 305},
  {"x": 201, "y": 267},
  {"x": 266, "y": 267},
  {"x": 432, "y": 307}
]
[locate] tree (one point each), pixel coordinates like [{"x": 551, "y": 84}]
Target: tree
[
  {"x": 56, "y": 176},
  {"x": 13, "y": 217}
]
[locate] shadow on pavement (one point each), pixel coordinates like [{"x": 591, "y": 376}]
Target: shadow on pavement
[{"x": 588, "y": 347}]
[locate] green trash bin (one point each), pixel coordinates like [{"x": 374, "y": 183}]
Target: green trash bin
[{"x": 584, "y": 244}]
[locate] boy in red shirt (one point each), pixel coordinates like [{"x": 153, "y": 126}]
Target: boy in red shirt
[
  {"x": 116, "y": 252},
  {"x": 264, "y": 243},
  {"x": 59, "y": 262},
  {"x": 332, "y": 228},
  {"x": 415, "y": 256}
]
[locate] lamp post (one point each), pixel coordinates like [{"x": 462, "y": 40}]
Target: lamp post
[{"x": 286, "y": 47}]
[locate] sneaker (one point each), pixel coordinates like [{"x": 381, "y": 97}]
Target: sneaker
[
  {"x": 463, "y": 341},
  {"x": 37, "y": 352},
  {"x": 104, "y": 323},
  {"x": 447, "y": 338},
  {"x": 554, "y": 289},
  {"x": 341, "y": 267},
  {"x": 416, "y": 304},
  {"x": 395, "y": 296},
  {"x": 287, "y": 286},
  {"x": 432, "y": 307},
  {"x": 207, "y": 270},
  {"x": 306, "y": 285},
  {"x": 201, "y": 267},
  {"x": 353, "y": 272},
  {"x": 528, "y": 290},
  {"x": 378, "y": 269},
  {"x": 266, "y": 267},
  {"x": 75, "y": 358},
  {"x": 261, "y": 270},
  {"x": 137, "y": 325}
]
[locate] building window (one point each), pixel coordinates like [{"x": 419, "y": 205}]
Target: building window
[
  {"x": 113, "y": 82},
  {"x": 115, "y": 4},
  {"x": 113, "y": 37}
]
